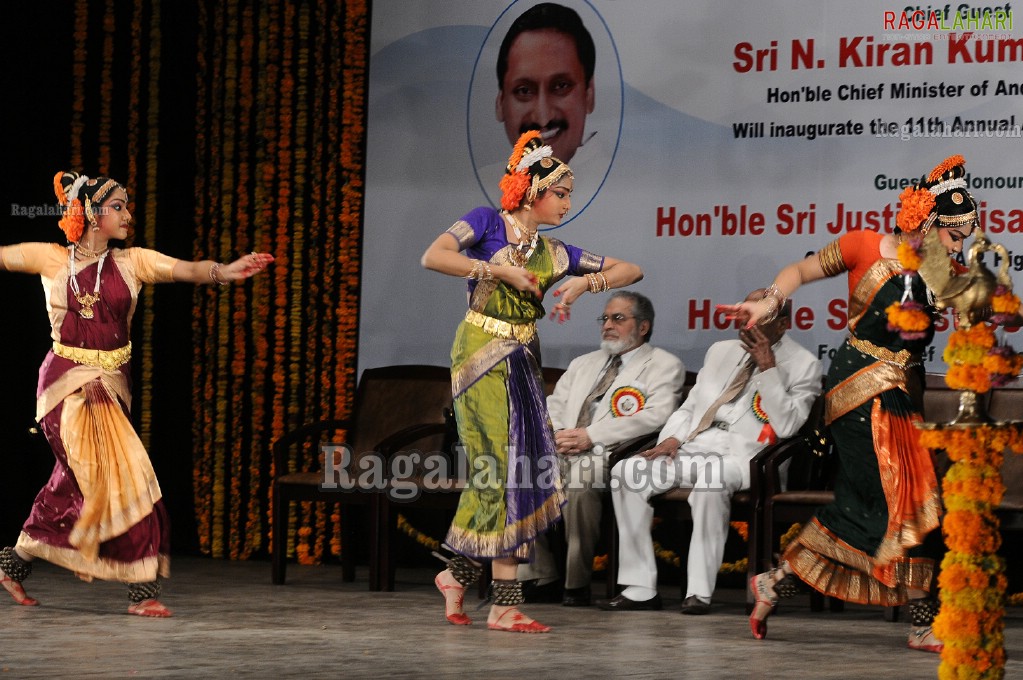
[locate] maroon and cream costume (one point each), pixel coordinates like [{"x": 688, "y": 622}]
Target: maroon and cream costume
[{"x": 100, "y": 515}]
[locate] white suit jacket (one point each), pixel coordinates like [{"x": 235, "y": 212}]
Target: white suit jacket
[
  {"x": 648, "y": 388},
  {"x": 785, "y": 393}
]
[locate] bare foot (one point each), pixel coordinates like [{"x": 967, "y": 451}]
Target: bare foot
[
  {"x": 924, "y": 640},
  {"x": 762, "y": 587},
  {"x": 510, "y": 619},
  {"x": 16, "y": 591},
  {"x": 454, "y": 594}
]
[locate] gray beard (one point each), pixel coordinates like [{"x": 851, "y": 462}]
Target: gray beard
[{"x": 615, "y": 346}]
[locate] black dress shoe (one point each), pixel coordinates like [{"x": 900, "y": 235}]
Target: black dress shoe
[
  {"x": 695, "y": 606},
  {"x": 576, "y": 597},
  {"x": 545, "y": 594},
  {"x": 620, "y": 603}
]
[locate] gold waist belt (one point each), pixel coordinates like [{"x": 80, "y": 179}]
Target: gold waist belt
[
  {"x": 523, "y": 332},
  {"x": 902, "y": 358},
  {"x": 107, "y": 359}
]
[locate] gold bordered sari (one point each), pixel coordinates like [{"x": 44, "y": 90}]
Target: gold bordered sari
[
  {"x": 886, "y": 491},
  {"x": 514, "y": 491}
]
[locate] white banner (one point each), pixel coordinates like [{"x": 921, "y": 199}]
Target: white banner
[{"x": 726, "y": 139}]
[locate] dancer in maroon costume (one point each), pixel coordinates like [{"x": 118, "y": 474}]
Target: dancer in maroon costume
[{"x": 101, "y": 515}]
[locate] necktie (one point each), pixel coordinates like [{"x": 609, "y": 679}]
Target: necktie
[
  {"x": 733, "y": 390},
  {"x": 586, "y": 412}
]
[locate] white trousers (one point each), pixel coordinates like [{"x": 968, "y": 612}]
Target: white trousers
[
  {"x": 636, "y": 480},
  {"x": 583, "y": 477}
]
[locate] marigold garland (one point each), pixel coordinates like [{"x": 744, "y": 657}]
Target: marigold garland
[
  {"x": 1004, "y": 304},
  {"x": 977, "y": 363},
  {"x": 263, "y": 363},
  {"x": 78, "y": 72},
  {"x": 909, "y": 319},
  {"x": 909, "y": 255},
  {"x": 972, "y": 582},
  {"x": 106, "y": 88}
]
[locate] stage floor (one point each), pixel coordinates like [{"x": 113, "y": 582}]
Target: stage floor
[{"x": 229, "y": 621}]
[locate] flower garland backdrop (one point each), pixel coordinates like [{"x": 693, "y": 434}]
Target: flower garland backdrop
[
  {"x": 273, "y": 162},
  {"x": 279, "y": 121},
  {"x": 107, "y": 137}
]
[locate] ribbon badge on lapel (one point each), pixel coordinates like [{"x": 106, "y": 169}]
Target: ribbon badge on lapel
[
  {"x": 626, "y": 401},
  {"x": 767, "y": 433}
]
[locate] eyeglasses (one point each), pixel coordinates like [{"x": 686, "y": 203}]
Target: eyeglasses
[{"x": 616, "y": 319}]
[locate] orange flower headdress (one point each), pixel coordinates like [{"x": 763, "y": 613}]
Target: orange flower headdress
[
  {"x": 78, "y": 194},
  {"x": 531, "y": 170},
  {"x": 916, "y": 205},
  {"x": 73, "y": 221}
]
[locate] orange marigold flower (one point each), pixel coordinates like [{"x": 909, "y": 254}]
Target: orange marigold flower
[
  {"x": 973, "y": 378},
  {"x": 73, "y": 221},
  {"x": 916, "y": 205},
  {"x": 909, "y": 257},
  {"x": 58, "y": 188},
  {"x": 520, "y": 147},
  {"x": 513, "y": 188},
  {"x": 907, "y": 317},
  {"x": 945, "y": 166},
  {"x": 1006, "y": 303}
]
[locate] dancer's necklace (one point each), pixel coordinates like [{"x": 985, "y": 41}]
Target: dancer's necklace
[
  {"x": 89, "y": 253},
  {"x": 86, "y": 300},
  {"x": 520, "y": 257}
]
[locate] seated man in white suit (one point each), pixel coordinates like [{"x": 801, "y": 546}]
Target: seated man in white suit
[
  {"x": 750, "y": 392},
  {"x": 624, "y": 390}
]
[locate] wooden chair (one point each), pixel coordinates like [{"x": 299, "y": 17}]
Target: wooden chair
[
  {"x": 386, "y": 399},
  {"x": 783, "y": 499},
  {"x": 422, "y": 491}
]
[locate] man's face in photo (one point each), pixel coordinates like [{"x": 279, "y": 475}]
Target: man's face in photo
[{"x": 545, "y": 89}]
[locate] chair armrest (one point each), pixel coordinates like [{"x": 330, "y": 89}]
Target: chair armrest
[
  {"x": 765, "y": 477},
  {"x": 279, "y": 449},
  {"x": 630, "y": 447},
  {"x": 397, "y": 441}
]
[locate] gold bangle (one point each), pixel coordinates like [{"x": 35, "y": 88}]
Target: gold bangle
[{"x": 604, "y": 279}]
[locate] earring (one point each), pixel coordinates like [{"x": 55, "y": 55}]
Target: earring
[
  {"x": 95, "y": 228},
  {"x": 527, "y": 207}
]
